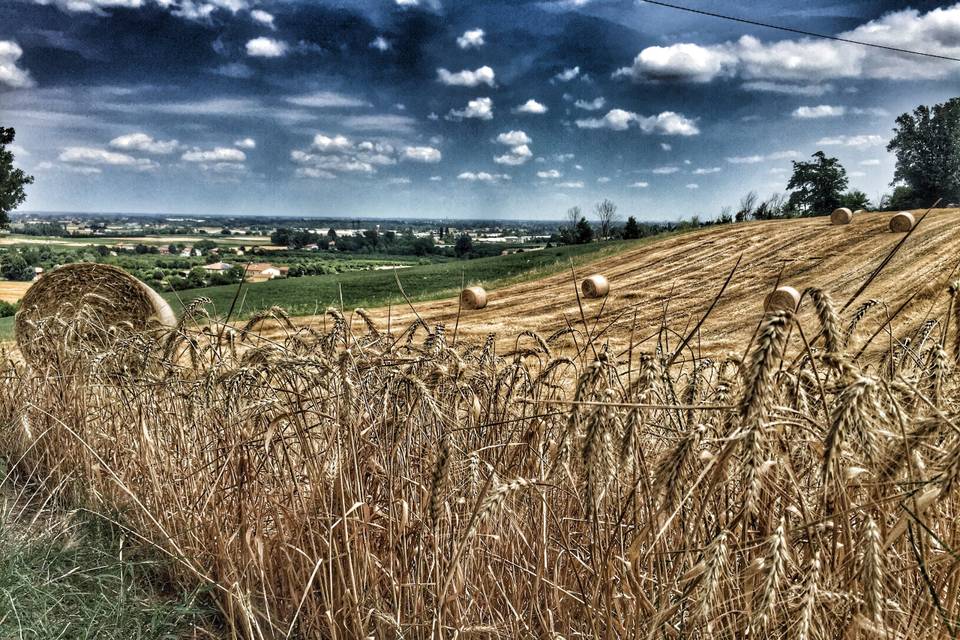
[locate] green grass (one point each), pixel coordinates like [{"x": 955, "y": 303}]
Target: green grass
[
  {"x": 75, "y": 577},
  {"x": 310, "y": 294}
]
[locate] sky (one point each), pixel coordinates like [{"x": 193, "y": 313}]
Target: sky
[{"x": 509, "y": 109}]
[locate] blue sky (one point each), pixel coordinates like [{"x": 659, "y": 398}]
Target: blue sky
[{"x": 444, "y": 108}]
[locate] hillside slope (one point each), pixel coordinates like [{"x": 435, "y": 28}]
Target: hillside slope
[{"x": 676, "y": 280}]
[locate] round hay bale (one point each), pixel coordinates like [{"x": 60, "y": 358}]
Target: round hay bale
[
  {"x": 88, "y": 304},
  {"x": 473, "y": 298},
  {"x": 902, "y": 222},
  {"x": 859, "y": 211},
  {"x": 782, "y": 299},
  {"x": 841, "y": 216},
  {"x": 596, "y": 286}
]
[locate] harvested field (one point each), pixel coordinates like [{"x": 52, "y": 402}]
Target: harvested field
[
  {"x": 11, "y": 291},
  {"x": 676, "y": 279}
]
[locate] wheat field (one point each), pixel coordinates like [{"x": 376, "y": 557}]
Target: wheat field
[{"x": 794, "y": 478}]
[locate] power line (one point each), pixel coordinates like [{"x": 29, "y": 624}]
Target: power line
[{"x": 798, "y": 31}]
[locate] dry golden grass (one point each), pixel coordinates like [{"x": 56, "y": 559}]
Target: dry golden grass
[
  {"x": 358, "y": 482},
  {"x": 11, "y": 291}
]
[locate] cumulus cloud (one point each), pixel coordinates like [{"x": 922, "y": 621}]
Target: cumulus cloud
[
  {"x": 328, "y": 163},
  {"x": 245, "y": 143},
  {"x": 11, "y": 74},
  {"x": 567, "y": 74},
  {"x": 572, "y": 184},
  {"x": 467, "y": 78},
  {"x": 314, "y": 172},
  {"x": 550, "y": 174},
  {"x": 380, "y": 44},
  {"x": 603, "y": 179},
  {"x": 324, "y": 142},
  {"x": 219, "y": 154},
  {"x": 693, "y": 185},
  {"x": 861, "y": 141},
  {"x": 480, "y": 108},
  {"x": 702, "y": 171},
  {"x": 91, "y": 156},
  {"x": 666, "y": 146},
  {"x": 261, "y": 16},
  {"x": 482, "y": 176},
  {"x": 809, "y": 62},
  {"x": 640, "y": 185},
  {"x": 422, "y": 154},
  {"x": 531, "y": 106},
  {"x": 819, "y": 111},
  {"x": 263, "y": 47},
  {"x": 665, "y": 170},
  {"x": 666, "y": 123},
  {"x": 518, "y": 155},
  {"x": 514, "y": 138},
  {"x": 593, "y": 105},
  {"x": 472, "y": 38},
  {"x": 683, "y": 62},
  {"x": 145, "y": 143}
]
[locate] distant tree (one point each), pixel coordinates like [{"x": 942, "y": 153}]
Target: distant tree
[
  {"x": 583, "y": 232},
  {"x": 902, "y": 197},
  {"x": 855, "y": 199},
  {"x": 606, "y": 212},
  {"x": 747, "y": 204},
  {"x": 205, "y": 245},
  {"x": 927, "y": 146},
  {"x": 771, "y": 208},
  {"x": 573, "y": 216},
  {"x": 817, "y": 186},
  {"x": 423, "y": 246},
  {"x": 12, "y": 180},
  {"x": 13, "y": 266},
  {"x": 631, "y": 230},
  {"x": 464, "y": 246},
  {"x": 225, "y": 232}
]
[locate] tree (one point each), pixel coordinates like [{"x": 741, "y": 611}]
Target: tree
[
  {"x": 583, "y": 232},
  {"x": 606, "y": 213},
  {"x": 927, "y": 146},
  {"x": 747, "y": 205},
  {"x": 14, "y": 267},
  {"x": 12, "y": 180},
  {"x": 464, "y": 246},
  {"x": 817, "y": 186},
  {"x": 573, "y": 217},
  {"x": 855, "y": 199},
  {"x": 631, "y": 230}
]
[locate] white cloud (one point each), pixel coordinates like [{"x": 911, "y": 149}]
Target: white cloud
[
  {"x": 693, "y": 185},
  {"x": 10, "y": 74},
  {"x": 812, "y": 90},
  {"x": 342, "y": 163},
  {"x": 702, "y": 171},
  {"x": 471, "y": 38},
  {"x": 245, "y": 143},
  {"x": 391, "y": 122},
  {"x": 407, "y": 3},
  {"x": 568, "y": 74},
  {"x": 480, "y": 108},
  {"x": 574, "y": 184},
  {"x": 514, "y": 138},
  {"x": 550, "y": 174},
  {"x": 856, "y": 174},
  {"x": 266, "y": 48},
  {"x": 666, "y": 146},
  {"x": 860, "y": 141},
  {"x": 91, "y": 156},
  {"x": 593, "y": 105},
  {"x": 467, "y": 78},
  {"x": 873, "y": 162},
  {"x": 323, "y": 142},
  {"x": 145, "y": 143},
  {"x": 436, "y": 179},
  {"x": 531, "y": 106},
  {"x": 819, "y": 111},
  {"x": 665, "y": 170},
  {"x": 327, "y": 100},
  {"x": 219, "y": 154},
  {"x": 422, "y": 154},
  {"x": 380, "y": 44},
  {"x": 518, "y": 155},
  {"x": 666, "y": 123},
  {"x": 563, "y": 157},
  {"x": 603, "y": 179},
  {"x": 754, "y": 159},
  {"x": 639, "y": 185},
  {"x": 399, "y": 181},
  {"x": 313, "y": 172},
  {"x": 262, "y": 17},
  {"x": 683, "y": 61},
  {"x": 482, "y": 176}
]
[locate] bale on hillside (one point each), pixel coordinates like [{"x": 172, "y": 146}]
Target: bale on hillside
[
  {"x": 841, "y": 215},
  {"x": 782, "y": 299},
  {"x": 902, "y": 222},
  {"x": 473, "y": 298},
  {"x": 596, "y": 286},
  {"x": 88, "y": 304},
  {"x": 859, "y": 211}
]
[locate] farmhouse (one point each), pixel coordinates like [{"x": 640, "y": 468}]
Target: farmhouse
[
  {"x": 260, "y": 271},
  {"x": 218, "y": 267}
]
